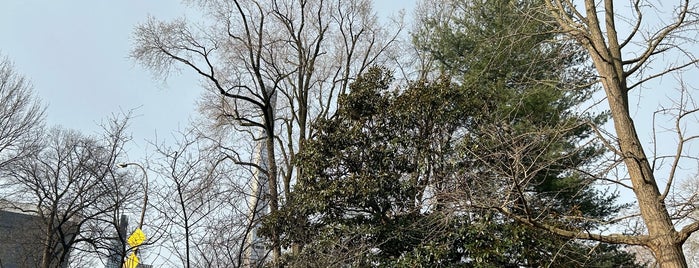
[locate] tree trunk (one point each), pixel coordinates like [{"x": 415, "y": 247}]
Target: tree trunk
[
  {"x": 49, "y": 246},
  {"x": 668, "y": 249},
  {"x": 652, "y": 206},
  {"x": 273, "y": 195},
  {"x": 606, "y": 53},
  {"x": 46, "y": 253},
  {"x": 607, "y": 58},
  {"x": 670, "y": 256}
]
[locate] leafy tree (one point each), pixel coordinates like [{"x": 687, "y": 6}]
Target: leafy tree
[
  {"x": 527, "y": 131},
  {"x": 380, "y": 183},
  {"x": 359, "y": 171}
]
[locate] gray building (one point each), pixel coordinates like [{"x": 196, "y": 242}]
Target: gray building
[
  {"x": 118, "y": 250},
  {"x": 22, "y": 239}
]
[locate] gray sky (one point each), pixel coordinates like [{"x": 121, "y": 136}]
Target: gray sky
[{"x": 76, "y": 54}]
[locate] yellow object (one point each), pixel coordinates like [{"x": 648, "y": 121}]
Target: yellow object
[
  {"x": 137, "y": 238},
  {"x": 131, "y": 261}
]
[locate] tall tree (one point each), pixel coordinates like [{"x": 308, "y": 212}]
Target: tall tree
[
  {"x": 357, "y": 191},
  {"x": 623, "y": 60},
  {"x": 272, "y": 68}
]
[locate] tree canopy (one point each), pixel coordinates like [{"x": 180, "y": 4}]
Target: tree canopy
[{"x": 390, "y": 182}]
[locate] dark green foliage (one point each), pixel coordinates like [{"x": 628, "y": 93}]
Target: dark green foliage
[
  {"x": 530, "y": 83},
  {"x": 415, "y": 177},
  {"x": 382, "y": 188},
  {"x": 368, "y": 169},
  {"x": 494, "y": 243}
]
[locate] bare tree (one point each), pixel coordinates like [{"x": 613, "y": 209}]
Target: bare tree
[
  {"x": 192, "y": 200},
  {"x": 74, "y": 191},
  {"x": 272, "y": 68},
  {"x": 21, "y": 115}
]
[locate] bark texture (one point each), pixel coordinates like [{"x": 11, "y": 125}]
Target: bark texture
[{"x": 614, "y": 70}]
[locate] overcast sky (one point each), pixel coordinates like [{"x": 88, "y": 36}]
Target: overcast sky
[{"x": 76, "y": 54}]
